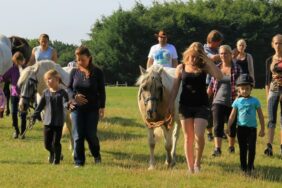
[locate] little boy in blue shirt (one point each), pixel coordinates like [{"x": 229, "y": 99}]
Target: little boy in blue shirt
[{"x": 244, "y": 110}]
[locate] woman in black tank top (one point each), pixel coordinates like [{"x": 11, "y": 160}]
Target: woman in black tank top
[
  {"x": 244, "y": 59},
  {"x": 193, "y": 104}
]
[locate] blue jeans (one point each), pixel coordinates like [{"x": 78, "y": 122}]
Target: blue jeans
[
  {"x": 84, "y": 127},
  {"x": 272, "y": 107}
]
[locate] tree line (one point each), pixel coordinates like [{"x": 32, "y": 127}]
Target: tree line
[{"x": 121, "y": 42}]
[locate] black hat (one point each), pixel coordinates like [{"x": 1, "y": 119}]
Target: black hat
[{"x": 244, "y": 79}]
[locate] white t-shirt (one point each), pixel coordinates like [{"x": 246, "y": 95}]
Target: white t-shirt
[{"x": 163, "y": 55}]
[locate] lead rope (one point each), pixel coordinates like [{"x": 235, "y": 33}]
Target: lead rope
[
  {"x": 30, "y": 123},
  {"x": 166, "y": 121}
]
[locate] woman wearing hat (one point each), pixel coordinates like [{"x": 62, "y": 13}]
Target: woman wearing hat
[
  {"x": 244, "y": 110},
  {"x": 162, "y": 53}
]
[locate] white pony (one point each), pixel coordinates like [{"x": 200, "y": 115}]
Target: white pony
[
  {"x": 155, "y": 85},
  {"x": 31, "y": 82},
  {"x": 5, "y": 54}
]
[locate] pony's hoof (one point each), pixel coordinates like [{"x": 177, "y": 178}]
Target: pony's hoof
[
  {"x": 166, "y": 163},
  {"x": 170, "y": 164},
  {"x": 151, "y": 167}
]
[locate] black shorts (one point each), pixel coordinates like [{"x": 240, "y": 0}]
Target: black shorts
[{"x": 186, "y": 112}]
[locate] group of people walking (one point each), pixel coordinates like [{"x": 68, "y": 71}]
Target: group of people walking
[
  {"x": 216, "y": 89},
  {"x": 84, "y": 97}
]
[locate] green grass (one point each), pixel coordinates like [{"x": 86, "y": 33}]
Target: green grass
[{"x": 125, "y": 155}]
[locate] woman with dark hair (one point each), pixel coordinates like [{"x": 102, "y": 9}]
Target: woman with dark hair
[{"x": 87, "y": 92}]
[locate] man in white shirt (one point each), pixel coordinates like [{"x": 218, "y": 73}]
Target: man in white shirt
[{"x": 162, "y": 53}]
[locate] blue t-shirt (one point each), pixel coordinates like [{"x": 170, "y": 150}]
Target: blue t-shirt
[{"x": 246, "y": 111}]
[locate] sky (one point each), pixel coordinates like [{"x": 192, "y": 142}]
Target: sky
[{"x": 68, "y": 21}]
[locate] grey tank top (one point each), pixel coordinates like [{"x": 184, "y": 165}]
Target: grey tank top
[{"x": 223, "y": 95}]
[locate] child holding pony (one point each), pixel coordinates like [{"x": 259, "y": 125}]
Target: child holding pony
[{"x": 54, "y": 100}]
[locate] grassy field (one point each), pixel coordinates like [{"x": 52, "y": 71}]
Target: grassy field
[{"x": 125, "y": 156}]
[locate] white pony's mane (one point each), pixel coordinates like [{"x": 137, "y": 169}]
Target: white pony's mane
[
  {"x": 44, "y": 65},
  {"x": 167, "y": 74},
  {"x": 25, "y": 73}
]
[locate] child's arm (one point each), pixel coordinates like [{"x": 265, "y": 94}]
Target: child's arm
[
  {"x": 261, "y": 120},
  {"x": 65, "y": 99},
  {"x": 231, "y": 120},
  {"x": 39, "y": 108}
]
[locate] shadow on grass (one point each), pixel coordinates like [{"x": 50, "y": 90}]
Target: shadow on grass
[
  {"x": 268, "y": 173},
  {"x": 109, "y": 135},
  {"x": 16, "y": 162},
  {"x": 140, "y": 160},
  {"x": 4, "y": 127},
  {"x": 126, "y": 122}
]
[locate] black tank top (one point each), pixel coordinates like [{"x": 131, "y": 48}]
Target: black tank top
[
  {"x": 194, "y": 91},
  {"x": 243, "y": 65}
]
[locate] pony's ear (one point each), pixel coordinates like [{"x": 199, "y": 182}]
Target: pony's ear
[{"x": 142, "y": 70}]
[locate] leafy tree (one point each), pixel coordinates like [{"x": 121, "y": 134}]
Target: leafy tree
[{"x": 121, "y": 41}]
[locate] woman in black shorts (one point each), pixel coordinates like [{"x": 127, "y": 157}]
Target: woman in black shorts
[{"x": 193, "y": 108}]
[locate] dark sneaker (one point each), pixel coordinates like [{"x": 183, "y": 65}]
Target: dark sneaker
[
  {"x": 56, "y": 162},
  {"x": 268, "y": 151},
  {"x": 15, "y": 135},
  {"x": 210, "y": 137},
  {"x": 216, "y": 152},
  {"x": 7, "y": 112},
  {"x": 51, "y": 158},
  {"x": 231, "y": 149},
  {"x": 22, "y": 136},
  {"x": 97, "y": 160},
  {"x": 224, "y": 136}
]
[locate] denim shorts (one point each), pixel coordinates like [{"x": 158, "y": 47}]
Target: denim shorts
[{"x": 186, "y": 112}]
